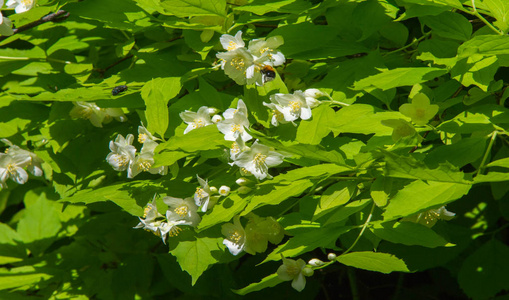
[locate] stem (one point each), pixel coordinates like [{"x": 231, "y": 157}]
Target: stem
[
  {"x": 353, "y": 283},
  {"x": 409, "y": 45},
  {"x": 336, "y": 102},
  {"x": 488, "y": 150},
  {"x": 477, "y": 14},
  {"x": 362, "y": 230}
]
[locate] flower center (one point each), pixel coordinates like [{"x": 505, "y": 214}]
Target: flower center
[
  {"x": 279, "y": 115},
  {"x": 199, "y": 123},
  {"x": 231, "y": 46},
  {"x": 174, "y": 231},
  {"x": 236, "y": 127},
  {"x": 259, "y": 159},
  {"x": 235, "y": 237},
  {"x": 145, "y": 165},
  {"x": 200, "y": 193},
  {"x": 142, "y": 137},
  {"x": 182, "y": 210},
  {"x": 11, "y": 169},
  {"x": 121, "y": 160},
  {"x": 420, "y": 113},
  {"x": 235, "y": 148},
  {"x": 295, "y": 106},
  {"x": 245, "y": 171},
  {"x": 146, "y": 211},
  {"x": 27, "y": 2},
  {"x": 292, "y": 270},
  {"x": 238, "y": 63}
]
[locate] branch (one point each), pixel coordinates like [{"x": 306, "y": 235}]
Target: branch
[{"x": 53, "y": 17}]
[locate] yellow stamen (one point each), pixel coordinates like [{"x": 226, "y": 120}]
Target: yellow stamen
[
  {"x": 182, "y": 210},
  {"x": 235, "y": 237},
  {"x": 236, "y": 128},
  {"x": 238, "y": 63},
  {"x": 200, "y": 193},
  {"x": 199, "y": 123},
  {"x": 145, "y": 165},
  {"x": 295, "y": 105},
  {"x": 174, "y": 231},
  {"x": 231, "y": 46},
  {"x": 259, "y": 160},
  {"x": 142, "y": 137}
]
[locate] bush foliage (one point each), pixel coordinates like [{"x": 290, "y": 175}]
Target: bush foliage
[{"x": 266, "y": 147}]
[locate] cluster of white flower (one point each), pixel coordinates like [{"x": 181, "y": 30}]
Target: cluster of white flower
[
  {"x": 290, "y": 107},
  {"x": 13, "y": 163},
  {"x": 251, "y": 65},
  {"x": 180, "y": 212},
  {"x": 254, "y": 237},
  {"x": 19, "y": 7},
  {"x": 123, "y": 154},
  {"x": 204, "y": 195},
  {"x": 96, "y": 115}
]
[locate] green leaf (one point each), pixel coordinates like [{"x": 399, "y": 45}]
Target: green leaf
[
  {"x": 504, "y": 163},
  {"x": 188, "y": 8},
  {"x": 200, "y": 139},
  {"x": 491, "y": 177},
  {"x": 39, "y": 226},
  {"x": 419, "y": 196},
  {"x": 261, "y": 7},
  {"x": 224, "y": 211},
  {"x": 314, "y": 130},
  {"x": 410, "y": 234},
  {"x": 380, "y": 190},
  {"x": 485, "y": 45},
  {"x": 463, "y": 152},
  {"x": 439, "y": 3},
  {"x": 363, "y": 119},
  {"x": 389, "y": 79},
  {"x": 347, "y": 210},
  {"x": 373, "y": 261},
  {"x": 500, "y": 11},
  {"x": 156, "y": 94},
  {"x": 410, "y": 168},
  {"x": 22, "y": 276},
  {"x": 469, "y": 71},
  {"x": 273, "y": 195},
  {"x": 195, "y": 256},
  {"x": 335, "y": 196},
  {"x": 486, "y": 271},
  {"x": 308, "y": 240},
  {"x": 449, "y": 25},
  {"x": 268, "y": 281}
]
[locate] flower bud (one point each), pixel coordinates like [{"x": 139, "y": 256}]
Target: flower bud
[
  {"x": 217, "y": 118},
  {"x": 213, "y": 189},
  {"x": 314, "y": 93},
  {"x": 331, "y": 256},
  {"x": 212, "y": 110},
  {"x": 315, "y": 262},
  {"x": 244, "y": 190},
  {"x": 224, "y": 190},
  {"x": 307, "y": 272},
  {"x": 242, "y": 181}
]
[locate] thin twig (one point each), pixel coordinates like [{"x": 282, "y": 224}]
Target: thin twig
[{"x": 53, "y": 17}]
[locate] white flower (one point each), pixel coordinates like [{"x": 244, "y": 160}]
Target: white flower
[
  {"x": 12, "y": 167},
  {"x": 144, "y": 161},
  {"x": 238, "y": 64},
  {"x": 224, "y": 190},
  {"x": 312, "y": 96},
  {"x": 266, "y": 49},
  {"x": 231, "y": 43},
  {"x": 152, "y": 221},
  {"x": 277, "y": 116},
  {"x": 235, "y": 236},
  {"x": 430, "y": 217},
  {"x": 183, "y": 209},
  {"x": 258, "y": 160},
  {"x": 216, "y": 119},
  {"x": 20, "y": 5},
  {"x": 122, "y": 152},
  {"x": 144, "y": 135},
  {"x": 231, "y": 112},
  {"x": 292, "y": 270},
  {"x": 202, "y": 194},
  {"x": 242, "y": 181},
  {"x": 196, "y": 119},
  {"x": 235, "y": 127},
  {"x": 315, "y": 262},
  {"x": 292, "y": 106},
  {"x": 34, "y": 162},
  {"x": 96, "y": 115},
  {"x": 237, "y": 147}
]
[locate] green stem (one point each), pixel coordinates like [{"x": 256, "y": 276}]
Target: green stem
[
  {"x": 362, "y": 230},
  {"x": 409, "y": 45},
  {"x": 488, "y": 150},
  {"x": 353, "y": 283},
  {"x": 477, "y": 14}
]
